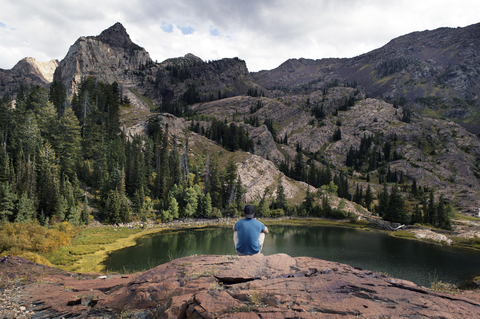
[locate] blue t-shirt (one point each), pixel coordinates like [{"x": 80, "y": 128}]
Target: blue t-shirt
[{"x": 248, "y": 230}]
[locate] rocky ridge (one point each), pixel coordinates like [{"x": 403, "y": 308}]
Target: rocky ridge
[
  {"x": 276, "y": 286},
  {"x": 434, "y": 70}
]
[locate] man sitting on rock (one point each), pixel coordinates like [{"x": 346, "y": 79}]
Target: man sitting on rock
[{"x": 249, "y": 234}]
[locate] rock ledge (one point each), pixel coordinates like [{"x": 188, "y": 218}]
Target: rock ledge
[{"x": 276, "y": 286}]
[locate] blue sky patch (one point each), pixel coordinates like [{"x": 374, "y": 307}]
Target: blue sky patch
[
  {"x": 214, "y": 32},
  {"x": 186, "y": 30},
  {"x": 2, "y": 25},
  {"x": 168, "y": 28}
]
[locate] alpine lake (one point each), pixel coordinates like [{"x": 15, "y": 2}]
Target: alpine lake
[{"x": 420, "y": 262}]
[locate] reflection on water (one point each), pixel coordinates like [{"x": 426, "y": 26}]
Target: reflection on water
[{"x": 407, "y": 259}]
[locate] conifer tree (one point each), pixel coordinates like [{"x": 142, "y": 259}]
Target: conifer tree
[
  {"x": 230, "y": 179},
  {"x": 308, "y": 201},
  {"x": 172, "y": 208},
  {"x": 281, "y": 200},
  {"x": 8, "y": 202},
  {"x": 417, "y": 215},
  {"x": 299, "y": 166},
  {"x": 85, "y": 215},
  {"x": 68, "y": 142},
  {"x": 239, "y": 192},
  {"x": 191, "y": 201},
  {"x": 368, "y": 199},
  {"x": 383, "y": 200},
  {"x": 215, "y": 185},
  {"x": 208, "y": 206},
  {"x": 26, "y": 209},
  {"x": 48, "y": 181},
  {"x": 396, "y": 207}
]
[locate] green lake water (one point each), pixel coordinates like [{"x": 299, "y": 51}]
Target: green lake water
[{"x": 412, "y": 260}]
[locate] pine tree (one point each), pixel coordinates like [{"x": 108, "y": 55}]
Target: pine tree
[
  {"x": 417, "y": 215},
  {"x": 85, "y": 215},
  {"x": 414, "y": 188},
  {"x": 215, "y": 185},
  {"x": 58, "y": 96},
  {"x": 383, "y": 200},
  {"x": 431, "y": 217},
  {"x": 239, "y": 192},
  {"x": 26, "y": 209},
  {"x": 48, "y": 181},
  {"x": 68, "y": 142},
  {"x": 172, "y": 208},
  {"x": 8, "y": 202},
  {"x": 208, "y": 206},
  {"x": 299, "y": 166},
  {"x": 444, "y": 213},
  {"x": 230, "y": 180},
  {"x": 368, "y": 199},
  {"x": 308, "y": 201},
  {"x": 396, "y": 211},
  {"x": 73, "y": 216},
  {"x": 112, "y": 207},
  {"x": 191, "y": 201},
  {"x": 281, "y": 200}
]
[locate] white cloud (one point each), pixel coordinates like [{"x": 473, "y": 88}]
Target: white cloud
[{"x": 263, "y": 32}]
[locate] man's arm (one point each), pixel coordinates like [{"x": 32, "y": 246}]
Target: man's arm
[
  {"x": 235, "y": 229},
  {"x": 265, "y": 230}
]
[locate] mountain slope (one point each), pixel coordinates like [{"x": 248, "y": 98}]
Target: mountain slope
[
  {"x": 437, "y": 72},
  {"x": 438, "y": 154}
]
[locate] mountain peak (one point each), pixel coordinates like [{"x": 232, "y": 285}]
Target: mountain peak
[
  {"x": 43, "y": 70},
  {"x": 117, "y": 36}
]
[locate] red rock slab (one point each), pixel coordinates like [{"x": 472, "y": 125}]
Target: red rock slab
[{"x": 276, "y": 286}]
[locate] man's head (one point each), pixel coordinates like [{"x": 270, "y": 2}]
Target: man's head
[{"x": 248, "y": 211}]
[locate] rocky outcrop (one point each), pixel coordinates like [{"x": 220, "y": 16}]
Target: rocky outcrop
[
  {"x": 29, "y": 72},
  {"x": 43, "y": 70},
  {"x": 190, "y": 79},
  {"x": 276, "y": 286},
  {"x": 257, "y": 174},
  {"x": 264, "y": 144},
  {"x": 108, "y": 57}
]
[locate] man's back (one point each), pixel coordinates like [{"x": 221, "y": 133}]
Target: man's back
[{"x": 248, "y": 231}]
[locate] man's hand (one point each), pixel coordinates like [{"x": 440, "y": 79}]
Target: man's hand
[{"x": 265, "y": 230}]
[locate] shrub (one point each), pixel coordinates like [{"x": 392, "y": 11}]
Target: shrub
[
  {"x": 276, "y": 213},
  {"x": 32, "y": 237}
]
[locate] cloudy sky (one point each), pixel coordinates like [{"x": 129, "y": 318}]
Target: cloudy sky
[{"x": 264, "y": 33}]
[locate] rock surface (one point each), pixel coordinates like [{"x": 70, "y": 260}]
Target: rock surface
[
  {"x": 27, "y": 71},
  {"x": 276, "y": 286},
  {"x": 110, "y": 56}
]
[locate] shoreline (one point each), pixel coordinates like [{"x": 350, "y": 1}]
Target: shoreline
[{"x": 93, "y": 262}]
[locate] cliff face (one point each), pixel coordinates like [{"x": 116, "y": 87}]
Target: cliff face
[
  {"x": 276, "y": 286},
  {"x": 434, "y": 71},
  {"x": 109, "y": 57},
  {"x": 204, "y": 81}
]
